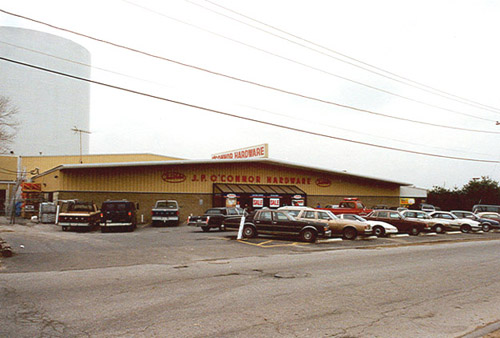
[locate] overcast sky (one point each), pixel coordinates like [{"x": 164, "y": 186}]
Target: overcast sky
[{"x": 451, "y": 46}]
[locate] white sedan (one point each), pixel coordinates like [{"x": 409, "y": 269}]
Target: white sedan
[{"x": 379, "y": 228}]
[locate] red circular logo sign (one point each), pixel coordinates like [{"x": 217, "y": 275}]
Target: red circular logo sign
[{"x": 173, "y": 177}]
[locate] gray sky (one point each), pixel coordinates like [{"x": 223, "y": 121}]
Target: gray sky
[{"x": 447, "y": 45}]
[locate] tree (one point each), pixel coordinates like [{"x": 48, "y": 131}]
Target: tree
[
  {"x": 8, "y": 124},
  {"x": 481, "y": 191},
  {"x": 476, "y": 191}
]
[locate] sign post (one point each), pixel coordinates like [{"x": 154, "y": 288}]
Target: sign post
[{"x": 240, "y": 230}]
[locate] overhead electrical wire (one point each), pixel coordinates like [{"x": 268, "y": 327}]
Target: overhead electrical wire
[
  {"x": 255, "y": 108},
  {"x": 404, "y": 80},
  {"x": 247, "y": 81},
  {"x": 85, "y": 64},
  {"x": 161, "y": 98},
  {"x": 312, "y": 67}
]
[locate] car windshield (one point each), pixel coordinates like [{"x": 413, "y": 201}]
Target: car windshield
[
  {"x": 166, "y": 204},
  {"x": 358, "y": 218},
  {"x": 332, "y": 215}
]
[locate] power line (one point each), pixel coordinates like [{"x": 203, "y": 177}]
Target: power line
[
  {"x": 243, "y": 117},
  {"x": 156, "y": 83},
  {"x": 248, "y": 81},
  {"x": 291, "y": 93},
  {"x": 84, "y": 64},
  {"x": 312, "y": 67},
  {"x": 403, "y": 80}
]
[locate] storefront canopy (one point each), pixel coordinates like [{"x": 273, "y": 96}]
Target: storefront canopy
[{"x": 257, "y": 189}]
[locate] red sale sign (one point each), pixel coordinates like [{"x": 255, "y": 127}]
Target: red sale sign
[{"x": 274, "y": 202}]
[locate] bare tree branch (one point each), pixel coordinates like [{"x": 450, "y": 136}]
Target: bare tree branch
[{"x": 8, "y": 124}]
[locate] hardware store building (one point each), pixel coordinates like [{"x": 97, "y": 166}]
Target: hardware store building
[{"x": 198, "y": 185}]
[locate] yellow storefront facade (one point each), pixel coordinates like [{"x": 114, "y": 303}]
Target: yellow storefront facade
[{"x": 198, "y": 185}]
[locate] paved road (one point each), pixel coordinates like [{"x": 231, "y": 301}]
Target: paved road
[{"x": 232, "y": 289}]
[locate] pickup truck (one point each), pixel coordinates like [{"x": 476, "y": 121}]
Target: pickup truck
[
  {"x": 279, "y": 222},
  {"x": 165, "y": 212},
  {"x": 214, "y": 218},
  {"x": 348, "y": 206},
  {"x": 78, "y": 215}
]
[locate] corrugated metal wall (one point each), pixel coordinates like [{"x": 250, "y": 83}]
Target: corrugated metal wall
[{"x": 199, "y": 178}]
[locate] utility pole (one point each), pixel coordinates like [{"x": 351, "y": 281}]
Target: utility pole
[{"x": 80, "y": 131}]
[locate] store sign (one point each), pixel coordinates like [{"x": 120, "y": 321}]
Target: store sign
[
  {"x": 231, "y": 196},
  {"x": 260, "y": 151},
  {"x": 173, "y": 177},
  {"x": 258, "y": 202},
  {"x": 323, "y": 182},
  {"x": 406, "y": 201},
  {"x": 274, "y": 202}
]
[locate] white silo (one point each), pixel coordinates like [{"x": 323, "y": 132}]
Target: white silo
[{"x": 49, "y": 105}]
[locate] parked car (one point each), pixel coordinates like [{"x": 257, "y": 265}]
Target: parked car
[
  {"x": 379, "y": 228},
  {"x": 486, "y": 223},
  {"x": 214, "y": 218},
  {"x": 396, "y": 219},
  {"x": 438, "y": 225},
  {"x": 350, "y": 205},
  {"x": 489, "y": 215},
  {"x": 462, "y": 224},
  {"x": 165, "y": 212},
  {"x": 120, "y": 214},
  {"x": 78, "y": 215},
  {"x": 486, "y": 208},
  {"x": 348, "y": 229},
  {"x": 279, "y": 222}
]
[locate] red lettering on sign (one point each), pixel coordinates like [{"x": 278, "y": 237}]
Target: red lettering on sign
[
  {"x": 213, "y": 178},
  {"x": 173, "y": 177},
  {"x": 230, "y": 178},
  {"x": 323, "y": 182},
  {"x": 203, "y": 178}
]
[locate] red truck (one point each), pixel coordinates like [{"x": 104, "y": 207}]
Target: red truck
[{"x": 348, "y": 206}]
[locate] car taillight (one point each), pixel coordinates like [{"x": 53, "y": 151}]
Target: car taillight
[
  {"x": 102, "y": 215},
  {"x": 177, "y": 213},
  {"x": 130, "y": 213},
  {"x": 208, "y": 218}
]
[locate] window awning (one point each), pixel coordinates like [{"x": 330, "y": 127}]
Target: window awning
[{"x": 257, "y": 189}]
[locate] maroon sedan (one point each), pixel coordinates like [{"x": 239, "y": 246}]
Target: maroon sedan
[{"x": 398, "y": 220}]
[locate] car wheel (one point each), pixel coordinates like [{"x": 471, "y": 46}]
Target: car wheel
[
  {"x": 349, "y": 233},
  {"x": 205, "y": 229},
  {"x": 414, "y": 231},
  {"x": 249, "y": 231},
  {"x": 465, "y": 228},
  {"x": 379, "y": 231},
  {"x": 438, "y": 228},
  {"x": 486, "y": 227},
  {"x": 308, "y": 235}
]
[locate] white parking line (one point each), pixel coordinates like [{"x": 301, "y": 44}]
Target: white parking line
[
  {"x": 430, "y": 234},
  {"x": 399, "y": 235},
  {"x": 453, "y": 232},
  {"x": 329, "y": 240}
]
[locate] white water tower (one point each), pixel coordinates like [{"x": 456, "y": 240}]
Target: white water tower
[{"x": 49, "y": 105}]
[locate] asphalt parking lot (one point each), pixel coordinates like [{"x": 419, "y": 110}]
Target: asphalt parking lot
[{"x": 45, "y": 247}]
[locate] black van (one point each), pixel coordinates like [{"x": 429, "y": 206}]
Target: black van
[{"x": 118, "y": 214}]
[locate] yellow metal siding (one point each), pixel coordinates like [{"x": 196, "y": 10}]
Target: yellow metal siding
[
  {"x": 200, "y": 178},
  {"x": 8, "y": 168},
  {"x": 45, "y": 163}
]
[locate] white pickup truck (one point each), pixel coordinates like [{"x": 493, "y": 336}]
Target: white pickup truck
[{"x": 165, "y": 212}]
